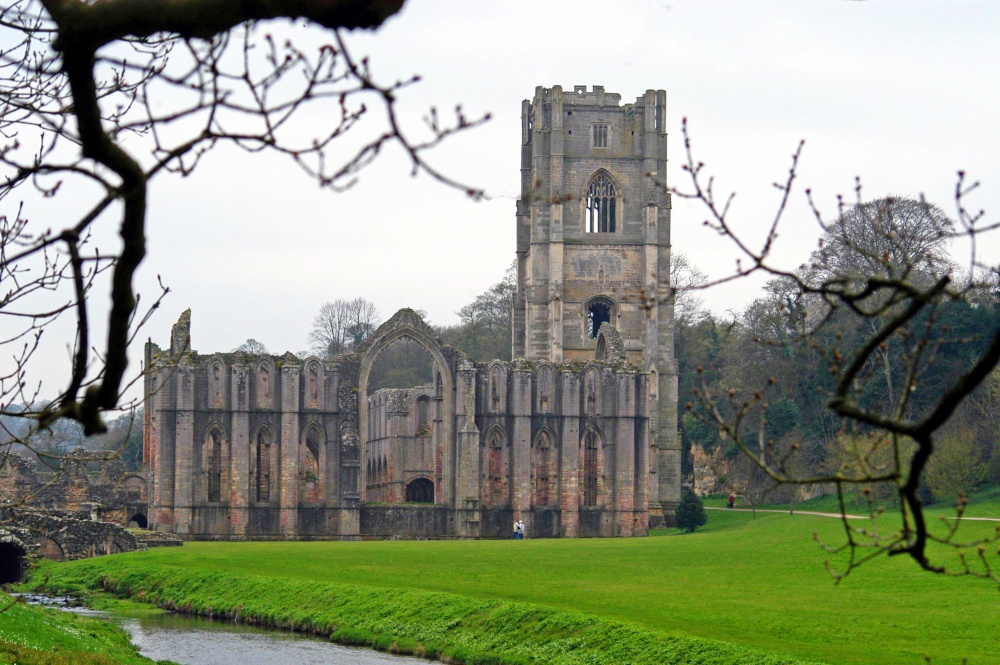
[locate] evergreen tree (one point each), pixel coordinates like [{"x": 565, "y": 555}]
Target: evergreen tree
[{"x": 690, "y": 512}]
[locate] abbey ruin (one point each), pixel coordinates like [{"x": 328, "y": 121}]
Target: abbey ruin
[{"x": 577, "y": 436}]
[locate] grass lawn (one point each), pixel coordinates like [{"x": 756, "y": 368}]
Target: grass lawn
[
  {"x": 34, "y": 635},
  {"x": 758, "y": 583}
]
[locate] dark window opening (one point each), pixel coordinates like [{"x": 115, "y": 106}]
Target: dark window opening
[
  {"x": 263, "y": 467},
  {"x": 602, "y": 202},
  {"x": 215, "y": 468},
  {"x": 543, "y": 470},
  {"x": 139, "y": 520},
  {"x": 600, "y": 136},
  {"x": 420, "y": 490},
  {"x": 590, "y": 452},
  {"x": 598, "y": 313}
]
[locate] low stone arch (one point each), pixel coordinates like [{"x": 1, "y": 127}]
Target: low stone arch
[
  {"x": 50, "y": 548},
  {"x": 140, "y": 520},
  {"x": 420, "y": 490},
  {"x": 407, "y": 323},
  {"x": 13, "y": 558}
]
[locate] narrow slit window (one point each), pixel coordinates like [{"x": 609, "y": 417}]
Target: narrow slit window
[{"x": 600, "y": 136}]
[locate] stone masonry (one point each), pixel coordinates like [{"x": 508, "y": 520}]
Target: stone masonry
[{"x": 576, "y": 436}]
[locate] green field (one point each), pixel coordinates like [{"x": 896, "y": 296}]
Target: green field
[{"x": 756, "y": 583}]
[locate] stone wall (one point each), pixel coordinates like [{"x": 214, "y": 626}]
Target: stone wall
[
  {"x": 112, "y": 493},
  {"x": 275, "y": 447}
]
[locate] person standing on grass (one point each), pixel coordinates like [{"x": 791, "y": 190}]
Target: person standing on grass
[
  {"x": 516, "y": 533},
  {"x": 732, "y": 500},
  {"x": 520, "y": 530}
]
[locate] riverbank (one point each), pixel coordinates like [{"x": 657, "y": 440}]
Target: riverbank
[
  {"x": 32, "y": 635},
  {"x": 444, "y": 626}
]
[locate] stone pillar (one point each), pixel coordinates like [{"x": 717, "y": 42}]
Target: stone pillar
[
  {"x": 289, "y": 400},
  {"x": 240, "y": 445},
  {"x": 569, "y": 473},
  {"x": 467, "y": 479},
  {"x": 643, "y": 449},
  {"x": 520, "y": 408},
  {"x": 162, "y": 447},
  {"x": 625, "y": 453},
  {"x": 185, "y": 456},
  {"x": 350, "y": 489}
]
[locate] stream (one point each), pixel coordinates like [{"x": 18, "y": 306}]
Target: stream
[{"x": 197, "y": 641}]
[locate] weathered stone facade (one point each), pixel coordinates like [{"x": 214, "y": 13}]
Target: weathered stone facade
[{"x": 576, "y": 437}]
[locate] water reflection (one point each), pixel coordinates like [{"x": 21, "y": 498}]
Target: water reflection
[{"x": 196, "y": 641}]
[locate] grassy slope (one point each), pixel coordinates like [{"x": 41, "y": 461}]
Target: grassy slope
[
  {"x": 30, "y": 635},
  {"x": 758, "y": 583}
]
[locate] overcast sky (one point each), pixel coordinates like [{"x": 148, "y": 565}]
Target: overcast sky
[{"x": 902, "y": 94}]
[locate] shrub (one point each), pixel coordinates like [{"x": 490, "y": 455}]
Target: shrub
[{"x": 690, "y": 512}]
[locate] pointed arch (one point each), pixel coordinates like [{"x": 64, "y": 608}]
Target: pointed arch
[
  {"x": 265, "y": 385},
  {"x": 601, "y": 203},
  {"x": 545, "y": 388},
  {"x": 591, "y": 391},
  {"x": 312, "y": 384},
  {"x": 312, "y": 464},
  {"x": 544, "y": 469},
  {"x": 407, "y": 323},
  {"x": 215, "y": 452},
  {"x": 497, "y": 390},
  {"x": 265, "y": 470},
  {"x": 217, "y": 384},
  {"x": 495, "y": 460},
  {"x": 592, "y": 468}
]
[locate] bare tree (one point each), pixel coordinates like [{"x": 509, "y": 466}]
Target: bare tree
[
  {"x": 251, "y": 347},
  {"x": 907, "y": 296},
  {"x": 98, "y": 98},
  {"x": 342, "y": 325}
]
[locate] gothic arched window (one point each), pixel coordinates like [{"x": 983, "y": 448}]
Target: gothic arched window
[
  {"x": 591, "y": 467},
  {"x": 263, "y": 465},
  {"x": 602, "y": 204},
  {"x": 215, "y": 465},
  {"x": 543, "y": 470}
]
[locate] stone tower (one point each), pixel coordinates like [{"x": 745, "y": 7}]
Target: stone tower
[{"x": 593, "y": 248}]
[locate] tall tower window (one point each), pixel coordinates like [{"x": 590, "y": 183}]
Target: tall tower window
[{"x": 602, "y": 205}]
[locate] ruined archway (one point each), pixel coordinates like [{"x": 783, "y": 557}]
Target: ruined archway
[
  {"x": 420, "y": 490},
  {"x": 440, "y": 407},
  {"x": 139, "y": 520}
]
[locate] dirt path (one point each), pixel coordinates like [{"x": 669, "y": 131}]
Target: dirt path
[{"x": 797, "y": 512}]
